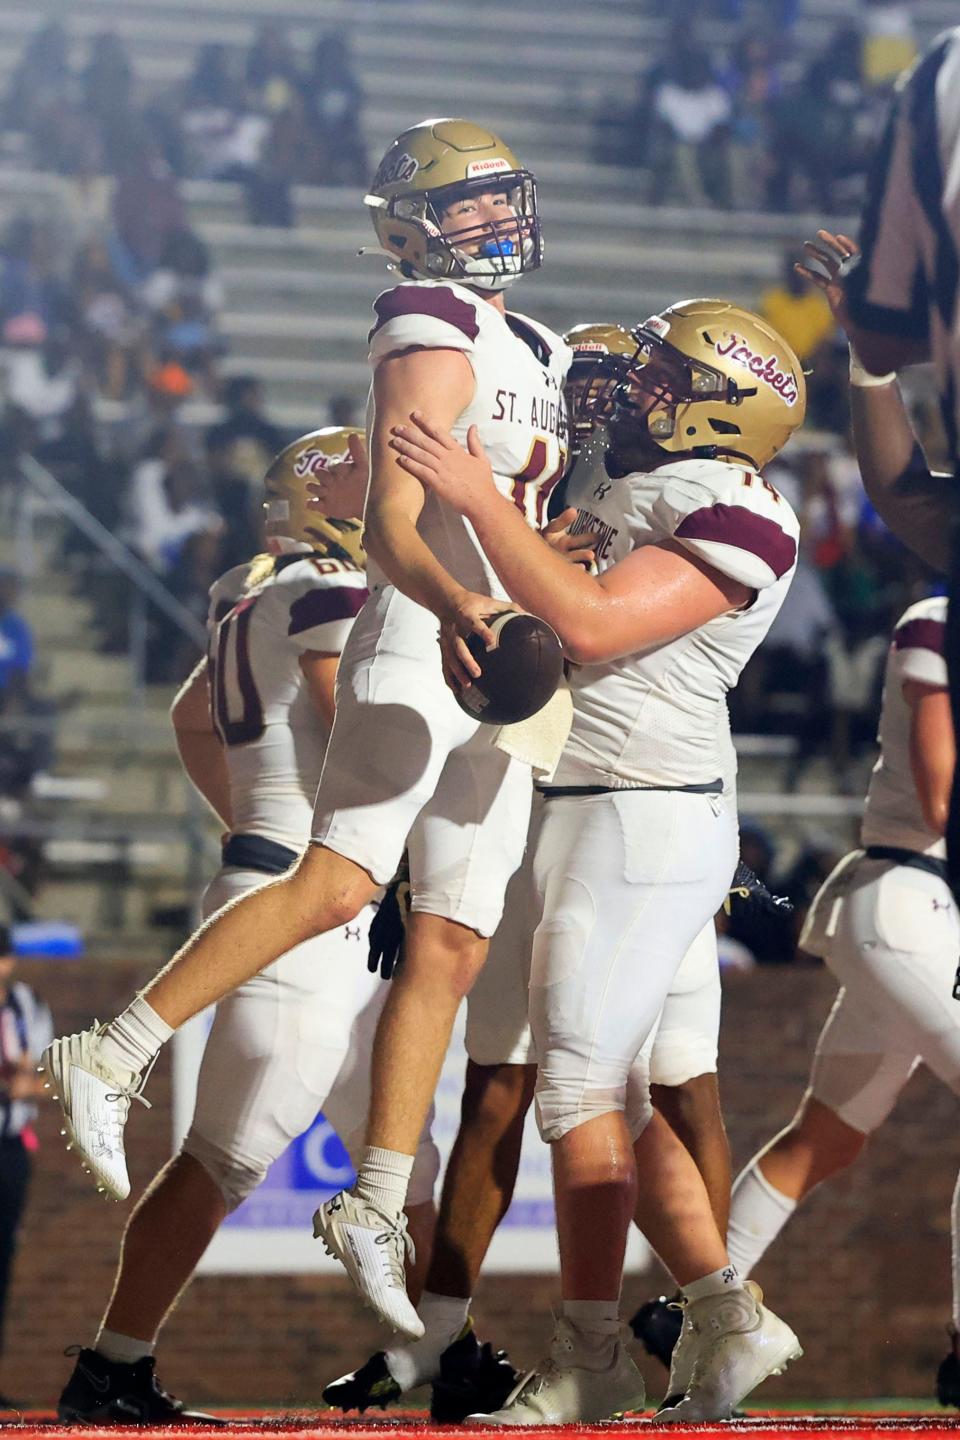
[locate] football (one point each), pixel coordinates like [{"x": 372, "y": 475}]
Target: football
[{"x": 519, "y": 675}]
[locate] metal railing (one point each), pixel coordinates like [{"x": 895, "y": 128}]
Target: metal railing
[
  {"x": 145, "y": 587},
  {"x": 42, "y": 493}
]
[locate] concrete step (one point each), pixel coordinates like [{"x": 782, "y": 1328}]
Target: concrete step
[{"x": 104, "y": 676}]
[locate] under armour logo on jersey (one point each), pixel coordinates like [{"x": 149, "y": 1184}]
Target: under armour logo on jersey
[
  {"x": 939, "y": 904},
  {"x": 352, "y": 932},
  {"x": 602, "y": 490},
  {"x": 335, "y": 1204},
  {"x": 729, "y": 1275}
]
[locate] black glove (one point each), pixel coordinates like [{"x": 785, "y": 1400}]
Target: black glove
[
  {"x": 750, "y": 889},
  {"x": 388, "y": 926}
]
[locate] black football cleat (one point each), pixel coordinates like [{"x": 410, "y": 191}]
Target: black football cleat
[
  {"x": 372, "y": 1384},
  {"x": 106, "y": 1392},
  {"x": 474, "y": 1379},
  {"x": 657, "y": 1325},
  {"x": 948, "y": 1374}
]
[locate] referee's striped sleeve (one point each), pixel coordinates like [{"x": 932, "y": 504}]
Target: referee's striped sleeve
[{"x": 887, "y": 289}]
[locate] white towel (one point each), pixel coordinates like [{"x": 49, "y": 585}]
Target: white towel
[{"x": 538, "y": 741}]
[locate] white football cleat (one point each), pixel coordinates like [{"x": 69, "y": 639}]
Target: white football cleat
[
  {"x": 561, "y": 1392},
  {"x": 371, "y": 1246},
  {"x": 730, "y": 1344},
  {"x": 95, "y": 1100}
]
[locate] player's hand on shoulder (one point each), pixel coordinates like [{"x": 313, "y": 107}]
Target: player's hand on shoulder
[
  {"x": 578, "y": 549},
  {"x": 341, "y": 491},
  {"x": 830, "y": 253},
  {"x": 461, "y": 477}
]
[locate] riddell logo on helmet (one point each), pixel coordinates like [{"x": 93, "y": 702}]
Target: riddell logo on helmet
[
  {"x": 398, "y": 168},
  {"x": 314, "y": 462},
  {"x": 486, "y": 167},
  {"x": 734, "y": 347}
]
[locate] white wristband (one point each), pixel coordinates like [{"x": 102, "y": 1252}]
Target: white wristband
[{"x": 862, "y": 378}]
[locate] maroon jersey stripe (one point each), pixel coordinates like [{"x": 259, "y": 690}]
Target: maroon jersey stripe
[
  {"x": 920, "y": 635},
  {"x": 742, "y": 528},
  {"x": 438, "y": 304},
  {"x": 320, "y": 606}
]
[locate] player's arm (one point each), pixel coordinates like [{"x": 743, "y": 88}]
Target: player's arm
[
  {"x": 413, "y": 379},
  {"x": 654, "y": 595},
  {"x": 320, "y": 677},
  {"x": 198, "y": 743},
  {"x": 932, "y": 750}
]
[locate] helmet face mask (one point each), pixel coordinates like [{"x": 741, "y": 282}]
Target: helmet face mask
[
  {"x": 412, "y": 216},
  {"x": 594, "y": 373},
  {"x": 707, "y": 378},
  {"x": 660, "y": 381},
  {"x": 291, "y": 525}
]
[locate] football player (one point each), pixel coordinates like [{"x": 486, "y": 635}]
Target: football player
[
  {"x": 456, "y": 214},
  {"x": 252, "y": 724},
  {"x": 679, "y": 1062},
  {"x": 885, "y": 921},
  {"x": 636, "y": 846}
]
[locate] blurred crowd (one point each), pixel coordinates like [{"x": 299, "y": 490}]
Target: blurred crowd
[
  {"x": 112, "y": 351},
  {"x": 757, "y": 122},
  {"x": 267, "y": 119}
]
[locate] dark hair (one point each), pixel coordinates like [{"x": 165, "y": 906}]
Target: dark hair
[{"x": 6, "y": 940}]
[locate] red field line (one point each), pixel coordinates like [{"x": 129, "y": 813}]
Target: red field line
[{"x": 300, "y": 1427}]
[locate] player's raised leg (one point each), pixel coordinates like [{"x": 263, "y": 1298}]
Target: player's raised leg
[{"x": 97, "y": 1073}]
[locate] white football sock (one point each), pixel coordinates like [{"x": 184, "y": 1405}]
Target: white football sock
[
  {"x": 955, "y": 1252},
  {"x": 121, "y": 1349},
  {"x": 134, "y": 1039},
  {"x": 597, "y": 1325},
  {"x": 758, "y": 1212},
  {"x": 418, "y": 1362},
  {"x": 718, "y": 1282},
  {"x": 383, "y": 1177}
]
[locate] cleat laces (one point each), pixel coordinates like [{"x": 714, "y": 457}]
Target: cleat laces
[
  {"x": 397, "y": 1244},
  {"x": 122, "y": 1095}
]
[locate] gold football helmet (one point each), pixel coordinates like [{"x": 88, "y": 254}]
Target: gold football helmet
[
  {"x": 587, "y": 389},
  {"x": 285, "y": 507},
  {"x": 435, "y": 165},
  {"x": 709, "y": 377}
]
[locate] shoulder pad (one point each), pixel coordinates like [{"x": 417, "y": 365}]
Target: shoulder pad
[
  {"x": 434, "y": 316},
  {"x": 729, "y": 517}
]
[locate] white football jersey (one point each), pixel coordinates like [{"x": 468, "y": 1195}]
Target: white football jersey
[
  {"x": 518, "y": 407},
  {"x": 659, "y": 717},
  {"x": 274, "y": 740},
  {"x": 893, "y": 814}
]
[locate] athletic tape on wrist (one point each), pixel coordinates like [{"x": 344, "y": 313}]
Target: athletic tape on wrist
[{"x": 862, "y": 377}]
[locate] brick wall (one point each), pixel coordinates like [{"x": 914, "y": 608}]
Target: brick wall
[{"x": 862, "y": 1273}]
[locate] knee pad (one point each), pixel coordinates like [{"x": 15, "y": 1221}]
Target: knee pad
[
  {"x": 234, "y": 1176},
  {"x": 562, "y": 1105}
]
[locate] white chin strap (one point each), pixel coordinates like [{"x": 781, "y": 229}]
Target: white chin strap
[
  {"x": 497, "y": 272},
  {"x": 486, "y": 274}
]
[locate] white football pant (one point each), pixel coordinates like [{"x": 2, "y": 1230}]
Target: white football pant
[
  {"x": 294, "y": 1040},
  {"x": 627, "y": 881}
]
